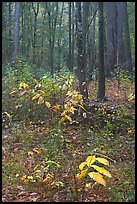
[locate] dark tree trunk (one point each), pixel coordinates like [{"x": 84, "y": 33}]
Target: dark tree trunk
[
  {"x": 73, "y": 35},
  {"x": 52, "y": 30},
  {"x": 16, "y": 30},
  {"x": 101, "y": 80},
  {"x": 81, "y": 69},
  {"x": 59, "y": 39},
  {"x": 10, "y": 33},
  {"x": 70, "y": 43},
  {"x": 120, "y": 20},
  {"x": 93, "y": 52},
  {"x": 84, "y": 32},
  {"x": 127, "y": 39},
  {"x": 111, "y": 37},
  {"x": 36, "y": 11}
]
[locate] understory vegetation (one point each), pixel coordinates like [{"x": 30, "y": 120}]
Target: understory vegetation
[{"x": 56, "y": 147}]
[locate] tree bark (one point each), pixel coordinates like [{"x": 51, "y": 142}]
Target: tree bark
[
  {"x": 127, "y": 39},
  {"x": 101, "y": 80},
  {"x": 111, "y": 37},
  {"x": 36, "y": 11},
  {"x": 120, "y": 20},
  {"x": 70, "y": 43},
  {"x": 16, "y": 30},
  {"x": 80, "y": 60}
]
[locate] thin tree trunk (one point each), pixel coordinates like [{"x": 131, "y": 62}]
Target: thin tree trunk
[
  {"x": 127, "y": 39},
  {"x": 73, "y": 35},
  {"x": 84, "y": 32},
  {"x": 111, "y": 37},
  {"x": 101, "y": 81},
  {"x": 36, "y": 11},
  {"x": 120, "y": 20},
  {"x": 60, "y": 35},
  {"x": 81, "y": 68},
  {"x": 69, "y": 58},
  {"x": 10, "y": 33},
  {"x": 16, "y": 30},
  {"x": 93, "y": 38}
]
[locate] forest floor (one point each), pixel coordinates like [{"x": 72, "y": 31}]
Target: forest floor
[{"x": 28, "y": 144}]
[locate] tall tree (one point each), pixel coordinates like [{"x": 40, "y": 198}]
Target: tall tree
[
  {"x": 10, "y": 31},
  {"x": 60, "y": 37},
  {"x": 127, "y": 39},
  {"x": 93, "y": 51},
  {"x": 101, "y": 80},
  {"x": 111, "y": 37},
  {"x": 52, "y": 21},
  {"x": 16, "y": 30},
  {"x": 70, "y": 42},
  {"x": 120, "y": 20},
  {"x": 80, "y": 60},
  {"x": 84, "y": 32},
  {"x": 36, "y": 11},
  {"x": 73, "y": 33}
]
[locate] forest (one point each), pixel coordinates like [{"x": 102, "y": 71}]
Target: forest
[{"x": 68, "y": 101}]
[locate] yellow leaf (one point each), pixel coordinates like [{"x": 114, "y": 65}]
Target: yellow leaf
[
  {"x": 40, "y": 100},
  {"x": 24, "y": 85},
  {"x": 68, "y": 117},
  {"x": 9, "y": 116},
  {"x": 34, "y": 97},
  {"x": 102, "y": 170},
  {"x": 97, "y": 177},
  {"x": 90, "y": 160},
  {"x": 103, "y": 161},
  {"x": 26, "y": 181},
  {"x": 30, "y": 177},
  {"x": 47, "y": 104},
  {"x": 63, "y": 113},
  {"x": 37, "y": 150},
  {"x": 23, "y": 177},
  {"x": 81, "y": 166},
  {"x": 57, "y": 107},
  {"x": 84, "y": 115},
  {"x": 30, "y": 153},
  {"x": 88, "y": 185},
  {"x": 69, "y": 108},
  {"x": 79, "y": 189},
  {"x": 36, "y": 167},
  {"x": 82, "y": 174}
]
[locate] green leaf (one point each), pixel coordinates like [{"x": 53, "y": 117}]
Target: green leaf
[
  {"x": 103, "y": 161},
  {"x": 52, "y": 162},
  {"x": 102, "y": 170},
  {"x": 90, "y": 160},
  {"x": 97, "y": 177},
  {"x": 81, "y": 166}
]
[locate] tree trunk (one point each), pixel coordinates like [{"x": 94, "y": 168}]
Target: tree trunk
[
  {"x": 111, "y": 37},
  {"x": 101, "y": 80},
  {"x": 120, "y": 20},
  {"x": 10, "y": 33},
  {"x": 127, "y": 39},
  {"x": 93, "y": 52},
  {"x": 59, "y": 39},
  {"x": 16, "y": 30},
  {"x": 70, "y": 51},
  {"x": 81, "y": 68},
  {"x": 84, "y": 32},
  {"x": 36, "y": 11}
]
